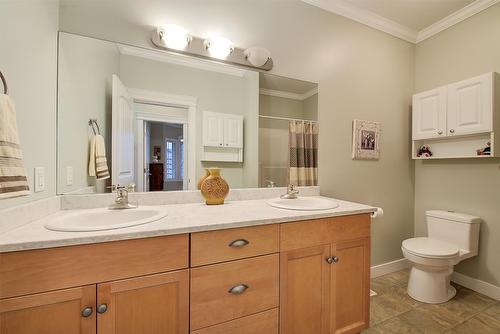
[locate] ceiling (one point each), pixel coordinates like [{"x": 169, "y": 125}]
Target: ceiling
[{"x": 411, "y": 20}]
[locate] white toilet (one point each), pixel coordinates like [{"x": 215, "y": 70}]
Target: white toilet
[{"x": 452, "y": 237}]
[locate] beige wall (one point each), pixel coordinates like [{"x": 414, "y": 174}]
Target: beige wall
[
  {"x": 362, "y": 73},
  {"x": 28, "y": 59},
  {"x": 470, "y": 48}
]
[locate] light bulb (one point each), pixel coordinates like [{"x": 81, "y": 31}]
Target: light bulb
[
  {"x": 257, "y": 56},
  {"x": 219, "y": 47},
  {"x": 174, "y": 36}
]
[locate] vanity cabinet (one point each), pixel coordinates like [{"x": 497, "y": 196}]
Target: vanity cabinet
[
  {"x": 69, "y": 311},
  {"x": 332, "y": 258}
]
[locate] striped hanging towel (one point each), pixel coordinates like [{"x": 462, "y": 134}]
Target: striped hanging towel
[
  {"x": 98, "y": 165},
  {"x": 13, "y": 180}
]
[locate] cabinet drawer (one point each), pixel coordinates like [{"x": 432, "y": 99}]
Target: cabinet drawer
[
  {"x": 224, "y": 245},
  {"x": 213, "y": 301},
  {"x": 323, "y": 231},
  {"x": 42, "y": 270},
  {"x": 261, "y": 323}
]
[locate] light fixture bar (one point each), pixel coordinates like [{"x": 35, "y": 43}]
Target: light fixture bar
[{"x": 198, "y": 47}]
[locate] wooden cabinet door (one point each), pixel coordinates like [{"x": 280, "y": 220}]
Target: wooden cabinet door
[
  {"x": 429, "y": 114},
  {"x": 155, "y": 304},
  {"x": 233, "y": 131},
  {"x": 213, "y": 129},
  {"x": 56, "y": 312},
  {"x": 350, "y": 290},
  {"x": 305, "y": 291},
  {"x": 470, "y": 105}
]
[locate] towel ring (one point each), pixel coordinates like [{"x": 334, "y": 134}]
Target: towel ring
[
  {"x": 91, "y": 123},
  {"x": 4, "y": 82}
]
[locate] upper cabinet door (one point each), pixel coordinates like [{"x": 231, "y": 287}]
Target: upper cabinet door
[
  {"x": 156, "y": 304},
  {"x": 70, "y": 311},
  {"x": 233, "y": 131},
  {"x": 470, "y": 105},
  {"x": 429, "y": 114},
  {"x": 213, "y": 129}
]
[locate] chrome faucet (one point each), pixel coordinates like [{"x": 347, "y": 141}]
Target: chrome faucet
[
  {"x": 271, "y": 184},
  {"x": 291, "y": 192},
  {"x": 121, "y": 200}
]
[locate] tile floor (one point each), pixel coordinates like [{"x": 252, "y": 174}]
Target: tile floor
[{"x": 393, "y": 311}]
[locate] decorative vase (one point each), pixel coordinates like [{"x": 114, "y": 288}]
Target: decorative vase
[
  {"x": 200, "y": 181},
  {"x": 214, "y": 188}
]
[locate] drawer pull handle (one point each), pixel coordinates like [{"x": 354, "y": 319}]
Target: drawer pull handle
[
  {"x": 238, "y": 243},
  {"x": 332, "y": 259},
  {"x": 238, "y": 289},
  {"x": 87, "y": 312}
]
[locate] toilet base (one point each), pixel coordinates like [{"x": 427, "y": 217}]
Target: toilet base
[{"x": 430, "y": 284}]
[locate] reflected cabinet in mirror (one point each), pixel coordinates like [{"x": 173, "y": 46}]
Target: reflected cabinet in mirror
[{"x": 129, "y": 115}]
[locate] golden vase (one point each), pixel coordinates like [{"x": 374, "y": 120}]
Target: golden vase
[
  {"x": 200, "y": 181},
  {"x": 214, "y": 188}
]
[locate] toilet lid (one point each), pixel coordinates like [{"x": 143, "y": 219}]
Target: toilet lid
[{"x": 430, "y": 247}]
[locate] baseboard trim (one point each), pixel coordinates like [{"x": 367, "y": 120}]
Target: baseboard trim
[
  {"x": 477, "y": 285},
  {"x": 389, "y": 267}
]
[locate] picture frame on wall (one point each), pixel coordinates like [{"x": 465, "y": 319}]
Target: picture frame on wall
[{"x": 365, "y": 140}]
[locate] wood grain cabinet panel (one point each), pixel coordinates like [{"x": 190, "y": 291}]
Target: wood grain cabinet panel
[
  {"x": 232, "y": 244},
  {"x": 305, "y": 291},
  {"x": 261, "y": 323},
  {"x": 212, "y": 302},
  {"x": 350, "y": 310},
  {"x": 42, "y": 270},
  {"x": 156, "y": 304},
  {"x": 56, "y": 312}
]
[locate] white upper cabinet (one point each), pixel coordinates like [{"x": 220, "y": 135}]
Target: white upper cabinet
[
  {"x": 233, "y": 131},
  {"x": 213, "y": 129},
  {"x": 470, "y": 106},
  {"x": 429, "y": 114}
]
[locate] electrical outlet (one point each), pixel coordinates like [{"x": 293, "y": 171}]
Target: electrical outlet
[
  {"x": 69, "y": 175},
  {"x": 39, "y": 179}
]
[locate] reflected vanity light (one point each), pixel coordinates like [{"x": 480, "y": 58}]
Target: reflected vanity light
[
  {"x": 219, "y": 47},
  {"x": 174, "y": 36},
  {"x": 176, "y": 39}
]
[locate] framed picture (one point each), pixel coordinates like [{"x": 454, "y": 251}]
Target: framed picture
[{"x": 365, "y": 140}]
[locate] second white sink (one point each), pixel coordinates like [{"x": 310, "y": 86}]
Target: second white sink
[
  {"x": 105, "y": 219},
  {"x": 304, "y": 203}
]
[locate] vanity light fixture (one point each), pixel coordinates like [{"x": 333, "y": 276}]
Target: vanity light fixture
[
  {"x": 176, "y": 39},
  {"x": 219, "y": 47},
  {"x": 174, "y": 36},
  {"x": 257, "y": 56}
]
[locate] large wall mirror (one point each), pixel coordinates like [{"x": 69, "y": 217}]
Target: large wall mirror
[{"x": 157, "y": 120}]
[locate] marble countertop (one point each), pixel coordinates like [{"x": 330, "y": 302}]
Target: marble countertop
[{"x": 181, "y": 218}]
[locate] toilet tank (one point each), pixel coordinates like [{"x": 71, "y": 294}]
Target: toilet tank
[{"x": 459, "y": 229}]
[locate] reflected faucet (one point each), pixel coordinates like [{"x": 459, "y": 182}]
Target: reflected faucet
[
  {"x": 121, "y": 200},
  {"x": 291, "y": 192},
  {"x": 271, "y": 184}
]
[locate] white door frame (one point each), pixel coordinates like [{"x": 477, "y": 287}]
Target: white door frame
[{"x": 159, "y": 98}]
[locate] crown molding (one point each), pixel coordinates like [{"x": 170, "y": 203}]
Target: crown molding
[
  {"x": 180, "y": 60},
  {"x": 288, "y": 95},
  {"x": 366, "y": 17},
  {"x": 457, "y": 17}
]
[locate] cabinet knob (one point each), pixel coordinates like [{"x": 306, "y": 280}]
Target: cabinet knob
[
  {"x": 440, "y": 132},
  {"x": 87, "y": 312},
  {"x": 102, "y": 308},
  {"x": 452, "y": 131},
  {"x": 238, "y": 243},
  {"x": 238, "y": 289},
  {"x": 220, "y": 144},
  {"x": 332, "y": 259}
]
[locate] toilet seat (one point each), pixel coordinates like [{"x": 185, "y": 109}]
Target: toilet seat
[{"x": 430, "y": 248}]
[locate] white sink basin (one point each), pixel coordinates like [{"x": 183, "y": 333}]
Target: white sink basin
[
  {"x": 304, "y": 203},
  {"x": 105, "y": 219}
]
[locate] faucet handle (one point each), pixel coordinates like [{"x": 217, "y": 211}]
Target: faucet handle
[{"x": 131, "y": 187}]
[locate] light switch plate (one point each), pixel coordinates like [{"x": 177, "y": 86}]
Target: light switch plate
[
  {"x": 69, "y": 175},
  {"x": 39, "y": 179}
]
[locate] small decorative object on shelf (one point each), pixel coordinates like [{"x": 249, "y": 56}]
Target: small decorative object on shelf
[
  {"x": 485, "y": 151},
  {"x": 200, "y": 181},
  {"x": 424, "y": 151},
  {"x": 214, "y": 188}
]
